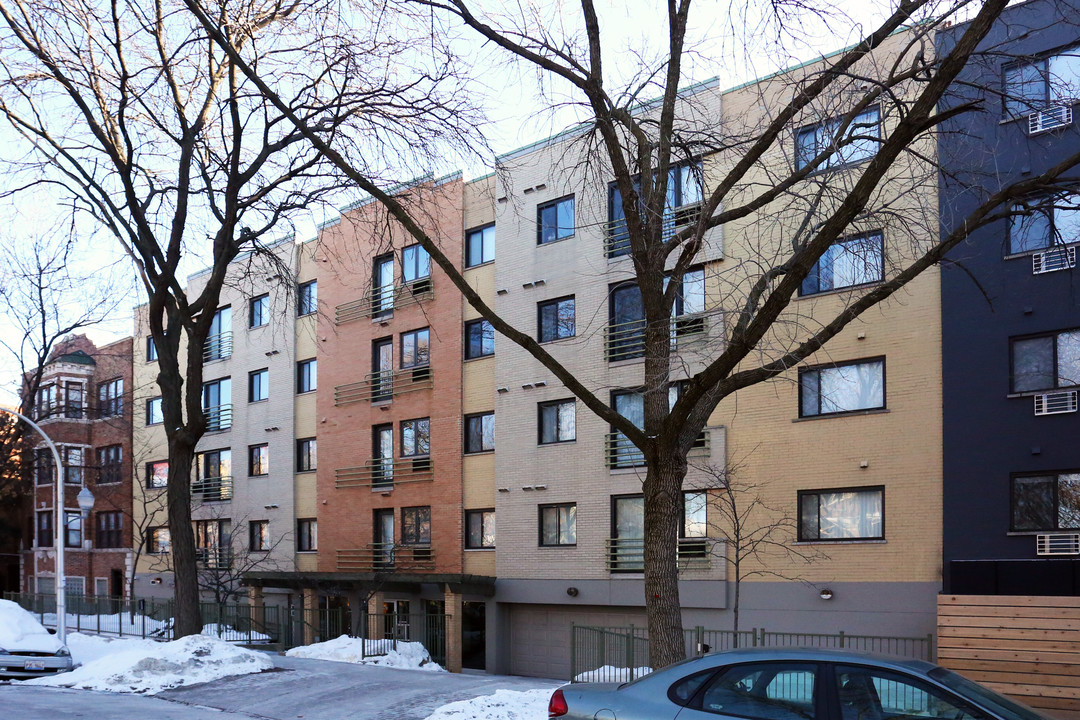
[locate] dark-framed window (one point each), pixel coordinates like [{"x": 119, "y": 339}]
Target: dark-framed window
[
  {"x": 1044, "y": 221},
  {"x": 557, "y": 421},
  {"x": 47, "y": 400},
  {"x": 219, "y": 338},
  {"x": 776, "y": 690},
  {"x": 73, "y": 400},
  {"x": 217, "y": 404},
  {"x": 259, "y": 536},
  {"x": 416, "y": 525},
  {"x": 74, "y": 462},
  {"x": 109, "y": 530},
  {"x": 416, "y": 437},
  {"x": 307, "y": 298},
  {"x": 258, "y": 385},
  {"x": 110, "y": 462},
  {"x": 842, "y": 388},
  {"x": 626, "y": 322},
  {"x": 111, "y": 398},
  {"x": 480, "y": 246},
  {"x": 681, "y": 202},
  {"x": 258, "y": 460},
  {"x": 479, "y": 339},
  {"x": 382, "y": 369},
  {"x": 558, "y": 524},
  {"x": 154, "y": 415},
  {"x": 627, "y": 548},
  {"x": 851, "y": 262},
  {"x": 480, "y": 432},
  {"x": 157, "y": 474},
  {"x": 382, "y": 285},
  {"x": 306, "y": 455},
  {"x": 415, "y": 264},
  {"x": 382, "y": 456},
  {"x": 480, "y": 529},
  {"x": 44, "y": 466},
  {"x": 1049, "y": 501},
  {"x": 307, "y": 535},
  {"x": 859, "y": 142},
  {"x": 259, "y": 311},
  {"x": 44, "y": 528},
  {"x": 151, "y": 349},
  {"x": 416, "y": 348},
  {"x": 1032, "y": 85},
  {"x": 1045, "y": 362},
  {"x": 306, "y": 376},
  {"x": 555, "y": 319},
  {"x": 555, "y": 220},
  {"x": 158, "y": 540},
  {"x": 622, "y": 453},
  {"x": 842, "y": 514}
]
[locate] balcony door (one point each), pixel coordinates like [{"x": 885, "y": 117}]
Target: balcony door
[
  {"x": 384, "y": 538},
  {"x": 382, "y": 369},
  {"x": 382, "y": 290},
  {"x": 628, "y": 533}
]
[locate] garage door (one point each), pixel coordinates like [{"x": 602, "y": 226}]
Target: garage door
[{"x": 540, "y": 635}]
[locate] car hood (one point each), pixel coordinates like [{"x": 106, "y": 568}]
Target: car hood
[{"x": 21, "y": 632}]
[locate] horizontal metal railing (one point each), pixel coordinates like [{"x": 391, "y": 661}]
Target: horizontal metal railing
[
  {"x": 384, "y": 385},
  {"x": 218, "y": 347},
  {"x": 628, "y": 554},
  {"x": 378, "y": 557},
  {"x": 617, "y": 238},
  {"x": 384, "y": 473},
  {"x": 626, "y": 341},
  {"x": 384, "y": 300},
  {"x": 214, "y": 557},
  {"x": 212, "y": 489},
  {"x": 619, "y": 452},
  {"x": 218, "y": 417}
]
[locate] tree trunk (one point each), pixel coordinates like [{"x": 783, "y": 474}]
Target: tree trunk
[
  {"x": 735, "y": 604},
  {"x": 182, "y": 539},
  {"x": 663, "y": 498}
]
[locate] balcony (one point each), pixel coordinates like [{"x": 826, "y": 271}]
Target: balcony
[
  {"x": 386, "y": 557},
  {"x": 628, "y": 554},
  {"x": 626, "y": 341},
  {"x": 382, "y": 386},
  {"x": 218, "y": 417},
  {"x": 617, "y": 239},
  {"x": 382, "y": 474},
  {"x": 620, "y": 453},
  {"x": 212, "y": 489},
  {"x": 218, "y": 347},
  {"x": 1051, "y": 118},
  {"x": 380, "y": 302},
  {"x": 213, "y": 558}
]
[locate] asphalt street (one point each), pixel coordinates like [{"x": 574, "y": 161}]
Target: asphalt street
[{"x": 296, "y": 688}]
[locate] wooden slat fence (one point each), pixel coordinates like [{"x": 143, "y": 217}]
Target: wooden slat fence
[{"x": 1024, "y": 646}]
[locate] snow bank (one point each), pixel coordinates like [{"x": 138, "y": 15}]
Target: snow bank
[
  {"x": 610, "y": 673},
  {"x": 407, "y": 656},
  {"x": 503, "y": 705},
  {"x": 124, "y": 624},
  {"x": 19, "y": 630},
  {"x": 145, "y": 666},
  {"x": 85, "y": 649}
]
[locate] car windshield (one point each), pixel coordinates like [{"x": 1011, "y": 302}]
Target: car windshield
[{"x": 1006, "y": 708}]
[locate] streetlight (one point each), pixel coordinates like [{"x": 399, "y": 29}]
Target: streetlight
[{"x": 59, "y": 526}]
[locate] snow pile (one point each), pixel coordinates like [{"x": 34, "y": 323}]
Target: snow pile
[
  {"x": 407, "y": 655},
  {"x": 19, "y": 630},
  {"x": 610, "y": 673},
  {"x": 503, "y": 705},
  {"x": 144, "y": 666},
  {"x": 85, "y": 649}
]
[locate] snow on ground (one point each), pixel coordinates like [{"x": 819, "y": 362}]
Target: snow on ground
[
  {"x": 146, "y": 666},
  {"x": 407, "y": 656},
  {"x": 503, "y": 705},
  {"x": 126, "y": 624},
  {"x": 610, "y": 673},
  {"x": 86, "y": 649},
  {"x": 19, "y": 630}
]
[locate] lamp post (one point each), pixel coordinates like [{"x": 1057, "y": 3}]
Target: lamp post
[{"x": 59, "y": 526}]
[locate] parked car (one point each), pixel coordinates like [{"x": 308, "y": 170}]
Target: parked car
[
  {"x": 28, "y": 650},
  {"x": 789, "y": 684}
]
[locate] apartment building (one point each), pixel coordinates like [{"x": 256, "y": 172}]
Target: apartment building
[{"x": 84, "y": 405}]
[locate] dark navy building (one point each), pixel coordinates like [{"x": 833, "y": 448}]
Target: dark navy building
[{"x": 1011, "y": 315}]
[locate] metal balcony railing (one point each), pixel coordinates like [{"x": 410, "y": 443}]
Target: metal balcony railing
[
  {"x": 218, "y": 347},
  {"x": 1057, "y": 544},
  {"x": 218, "y": 417},
  {"x": 628, "y": 554},
  {"x": 617, "y": 239},
  {"x": 382, "y": 301},
  {"x": 619, "y": 452},
  {"x": 214, "y": 557},
  {"x": 384, "y": 473},
  {"x": 382, "y": 386},
  {"x": 626, "y": 341},
  {"x": 1059, "y": 258},
  {"x": 386, "y": 557},
  {"x": 212, "y": 489}
]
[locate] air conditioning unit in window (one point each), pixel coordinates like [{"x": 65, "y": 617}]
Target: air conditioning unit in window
[
  {"x": 1055, "y": 403},
  {"x": 1050, "y": 118},
  {"x": 1057, "y": 544},
  {"x": 1051, "y": 260}
]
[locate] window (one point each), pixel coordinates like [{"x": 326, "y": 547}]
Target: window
[
  {"x": 1046, "y": 502},
  {"x": 1044, "y": 83},
  {"x": 622, "y": 453},
  {"x": 44, "y": 466},
  {"x": 847, "y": 514},
  {"x": 415, "y": 264},
  {"x": 108, "y": 533},
  {"x": 480, "y": 432},
  {"x": 73, "y": 465},
  {"x": 415, "y": 437},
  {"x": 555, "y": 319},
  {"x": 157, "y": 474},
  {"x": 382, "y": 370},
  {"x": 684, "y": 193},
  {"x": 151, "y": 349},
  {"x": 558, "y": 421},
  {"x": 479, "y": 339},
  {"x": 558, "y": 524},
  {"x": 1047, "y": 362},
  {"x": 627, "y": 533},
  {"x": 773, "y": 690},
  {"x": 258, "y": 385},
  {"x": 213, "y": 540},
  {"x": 859, "y": 142},
  {"x": 689, "y": 294},
  {"x": 479, "y": 246},
  {"x": 259, "y": 535},
  {"x": 479, "y": 529},
  {"x": 307, "y": 298},
  {"x": 866, "y": 692},
  {"x": 111, "y": 398},
  {"x": 213, "y": 475},
  {"x": 307, "y": 535},
  {"x": 259, "y": 311},
  {"x": 46, "y": 400},
  {"x": 382, "y": 286},
  {"x": 842, "y": 388},
  {"x": 416, "y": 525},
  {"x": 626, "y": 323},
  {"x": 306, "y": 376},
  {"x": 72, "y": 529},
  {"x": 415, "y": 348},
  {"x": 219, "y": 339},
  {"x": 258, "y": 460},
  {"x": 555, "y": 220},
  {"x": 45, "y": 528},
  {"x": 216, "y": 404},
  {"x": 847, "y": 263},
  {"x": 1044, "y": 222},
  {"x": 73, "y": 400},
  {"x": 383, "y": 526},
  {"x": 158, "y": 540},
  {"x": 154, "y": 415},
  {"x": 305, "y": 455},
  {"x": 382, "y": 445},
  {"x": 110, "y": 462},
  {"x": 695, "y": 514}
]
